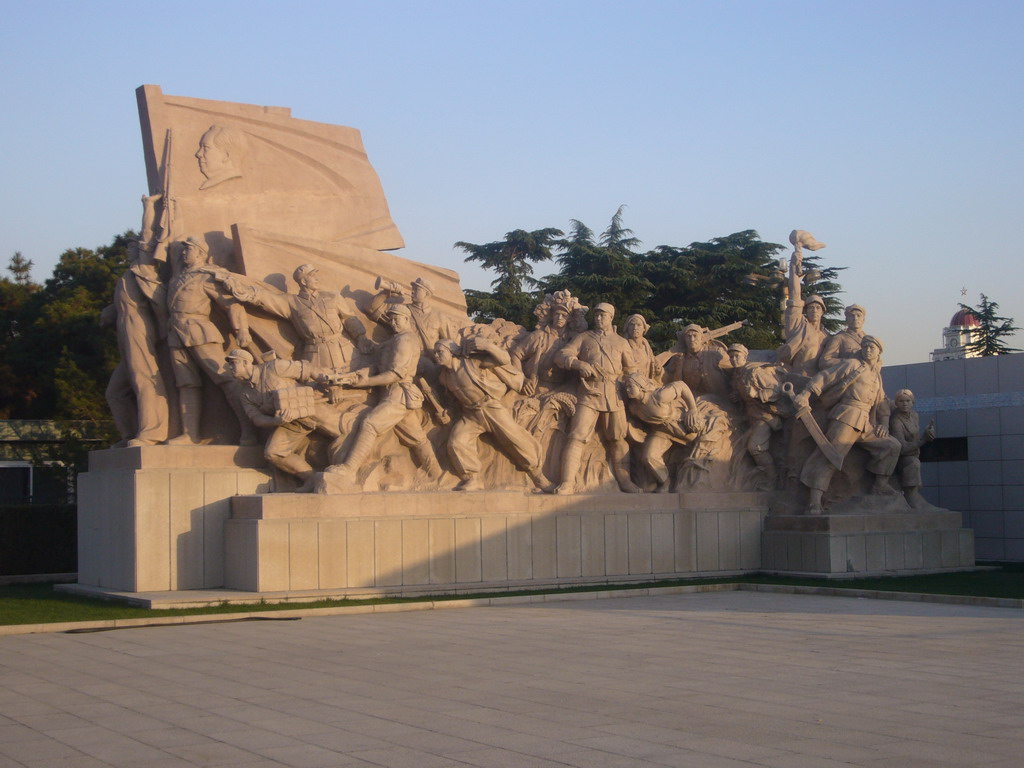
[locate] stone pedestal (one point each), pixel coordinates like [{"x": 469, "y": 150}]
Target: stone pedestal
[
  {"x": 177, "y": 518},
  {"x": 152, "y": 518},
  {"x": 867, "y": 543},
  {"x": 405, "y": 541}
]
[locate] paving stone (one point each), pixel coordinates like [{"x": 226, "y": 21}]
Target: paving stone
[{"x": 715, "y": 680}]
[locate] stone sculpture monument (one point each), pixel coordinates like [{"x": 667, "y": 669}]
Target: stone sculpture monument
[
  {"x": 905, "y": 427},
  {"x": 263, "y": 307}
]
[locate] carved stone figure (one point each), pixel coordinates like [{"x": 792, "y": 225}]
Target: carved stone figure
[
  {"x": 905, "y": 427},
  {"x": 137, "y": 392},
  {"x": 802, "y": 350},
  {"x": 272, "y": 398},
  {"x": 280, "y": 200},
  {"x": 578, "y": 319},
  {"x": 220, "y": 151},
  {"x": 846, "y": 344},
  {"x": 258, "y": 165},
  {"x": 400, "y": 404},
  {"x": 801, "y": 323},
  {"x": 429, "y": 325},
  {"x": 670, "y": 414},
  {"x": 859, "y": 416},
  {"x": 710, "y": 454},
  {"x": 537, "y": 352},
  {"x": 197, "y": 346},
  {"x": 323, "y": 320},
  {"x": 600, "y": 357},
  {"x": 478, "y": 374},
  {"x": 698, "y": 362},
  {"x": 646, "y": 363},
  {"x": 756, "y": 387}
]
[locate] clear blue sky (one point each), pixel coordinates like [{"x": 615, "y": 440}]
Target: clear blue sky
[{"x": 891, "y": 130}]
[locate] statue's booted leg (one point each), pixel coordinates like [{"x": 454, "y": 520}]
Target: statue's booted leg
[
  {"x": 190, "y": 407},
  {"x": 572, "y": 455},
  {"x": 580, "y": 429},
  {"x": 619, "y": 453}
]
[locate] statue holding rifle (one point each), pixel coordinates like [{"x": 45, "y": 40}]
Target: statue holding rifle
[{"x": 699, "y": 359}]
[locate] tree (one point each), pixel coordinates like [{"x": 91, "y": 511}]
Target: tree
[
  {"x": 710, "y": 283},
  {"x": 14, "y": 295},
  {"x": 512, "y": 259},
  {"x": 601, "y": 270},
  {"x": 56, "y": 359},
  {"x": 21, "y": 268},
  {"x": 988, "y": 339}
]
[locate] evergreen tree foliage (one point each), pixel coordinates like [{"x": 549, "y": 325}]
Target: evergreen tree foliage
[
  {"x": 988, "y": 339},
  {"x": 56, "y": 359},
  {"x": 512, "y": 260},
  {"x": 707, "y": 283},
  {"x": 601, "y": 270},
  {"x": 713, "y": 283},
  {"x": 15, "y": 293},
  {"x": 21, "y": 268}
]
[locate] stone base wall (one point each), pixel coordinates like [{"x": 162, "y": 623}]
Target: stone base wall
[
  {"x": 152, "y": 518},
  {"x": 391, "y": 541},
  {"x": 861, "y": 544},
  {"x": 167, "y": 518}
]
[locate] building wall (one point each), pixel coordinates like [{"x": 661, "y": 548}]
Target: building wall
[{"x": 981, "y": 399}]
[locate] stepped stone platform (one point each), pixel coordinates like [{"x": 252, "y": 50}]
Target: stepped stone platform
[
  {"x": 199, "y": 518},
  {"x": 864, "y": 543}
]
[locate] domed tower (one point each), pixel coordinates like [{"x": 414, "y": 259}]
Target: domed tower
[{"x": 961, "y": 331}]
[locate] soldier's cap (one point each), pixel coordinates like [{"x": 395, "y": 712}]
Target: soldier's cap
[
  {"x": 641, "y": 318},
  {"x": 693, "y": 327},
  {"x": 872, "y": 340},
  {"x": 605, "y": 307},
  {"x": 904, "y": 393},
  {"x": 737, "y": 348},
  {"x": 193, "y": 243},
  {"x": 240, "y": 354},
  {"x": 814, "y": 299},
  {"x": 856, "y": 307},
  {"x": 424, "y": 284},
  {"x": 301, "y": 272},
  {"x": 396, "y": 310}
]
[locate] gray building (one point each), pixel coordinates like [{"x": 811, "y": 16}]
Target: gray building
[{"x": 976, "y": 464}]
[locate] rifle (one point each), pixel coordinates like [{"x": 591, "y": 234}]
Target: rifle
[
  {"x": 165, "y": 216},
  {"x": 724, "y": 330}
]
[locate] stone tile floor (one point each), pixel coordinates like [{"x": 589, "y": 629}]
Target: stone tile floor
[{"x": 717, "y": 680}]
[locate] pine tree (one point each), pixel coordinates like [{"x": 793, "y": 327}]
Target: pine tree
[
  {"x": 55, "y": 358},
  {"x": 708, "y": 283},
  {"x": 988, "y": 339},
  {"x": 21, "y": 268},
  {"x": 512, "y": 259},
  {"x": 604, "y": 270}
]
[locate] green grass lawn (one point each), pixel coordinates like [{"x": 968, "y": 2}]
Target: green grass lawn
[
  {"x": 40, "y": 604},
  {"x": 1007, "y": 580}
]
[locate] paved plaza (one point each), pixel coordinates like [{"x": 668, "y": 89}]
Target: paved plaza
[{"x": 716, "y": 680}]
